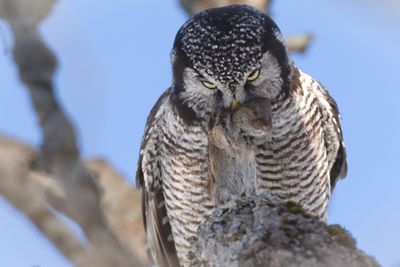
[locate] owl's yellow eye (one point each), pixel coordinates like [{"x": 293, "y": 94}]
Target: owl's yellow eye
[
  {"x": 209, "y": 85},
  {"x": 253, "y": 75}
]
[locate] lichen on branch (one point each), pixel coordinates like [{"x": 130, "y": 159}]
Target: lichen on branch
[{"x": 262, "y": 231}]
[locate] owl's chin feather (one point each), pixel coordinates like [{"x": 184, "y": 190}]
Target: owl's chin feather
[{"x": 247, "y": 126}]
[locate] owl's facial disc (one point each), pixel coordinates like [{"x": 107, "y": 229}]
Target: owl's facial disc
[
  {"x": 262, "y": 81},
  {"x": 226, "y": 56},
  {"x": 209, "y": 92}
]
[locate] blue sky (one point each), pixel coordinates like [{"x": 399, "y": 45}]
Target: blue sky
[{"x": 114, "y": 63}]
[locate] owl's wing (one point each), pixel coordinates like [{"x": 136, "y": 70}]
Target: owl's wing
[
  {"x": 332, "y": 130},
  {"x": 160, "y": 244}
]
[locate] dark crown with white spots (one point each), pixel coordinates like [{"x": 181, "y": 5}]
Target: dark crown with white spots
[{"x": 227, "y": 42}]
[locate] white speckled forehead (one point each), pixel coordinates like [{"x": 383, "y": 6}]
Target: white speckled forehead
[{"x": 225, "y": 43}]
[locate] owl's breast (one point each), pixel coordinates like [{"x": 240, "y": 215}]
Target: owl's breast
[
  {"x": 293, "y": 165},
  {"x": 185, "y": 178}
]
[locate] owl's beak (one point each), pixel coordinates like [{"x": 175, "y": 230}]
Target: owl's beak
[{"x": 234, "y": 104}]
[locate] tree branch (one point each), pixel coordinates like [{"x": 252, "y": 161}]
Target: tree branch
[
  {"x": 260, "y": 231},
  {"x": 17, "y": 186},
  {"x": 299, "y": 43},
  {"x": 59, "y": 153},
  {"x": 35, "y": 193},
  {"x": 195, "y": 6}
]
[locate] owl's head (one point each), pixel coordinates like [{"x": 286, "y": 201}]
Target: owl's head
[{"x": 225, "y": 57}]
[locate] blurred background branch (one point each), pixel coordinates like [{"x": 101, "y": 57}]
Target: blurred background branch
[
  {"x": 79, "y": 194},
  {"x": 32, "y": 191},
  {"x": 18, "y": 186},
  {"x": 195, "y": 6}
]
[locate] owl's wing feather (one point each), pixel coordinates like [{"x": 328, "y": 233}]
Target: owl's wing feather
[
  {"x": 158, "y": 230},
  {"x": 332, "y": 129},
  {"x": 161, "y": 247}
]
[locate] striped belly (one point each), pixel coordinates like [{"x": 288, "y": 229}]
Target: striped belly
[
  {"x": 185, "y": 180},
  {"x": 293, "y": 165}
]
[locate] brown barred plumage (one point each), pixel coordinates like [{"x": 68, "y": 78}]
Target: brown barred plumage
[
  {"x": 297, "y": 164},
  {"x": 177, "y": 152}
]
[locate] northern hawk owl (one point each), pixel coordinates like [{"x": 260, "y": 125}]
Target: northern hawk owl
[{"x": 223, "y": 58}]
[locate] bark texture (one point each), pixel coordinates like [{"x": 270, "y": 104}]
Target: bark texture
[{"x": 260, "y": 231}]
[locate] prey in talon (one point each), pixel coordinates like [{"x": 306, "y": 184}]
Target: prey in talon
[{"x": 232, "y": 140}]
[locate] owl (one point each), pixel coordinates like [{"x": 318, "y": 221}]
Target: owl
[{"x": 222, "y": 59}]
